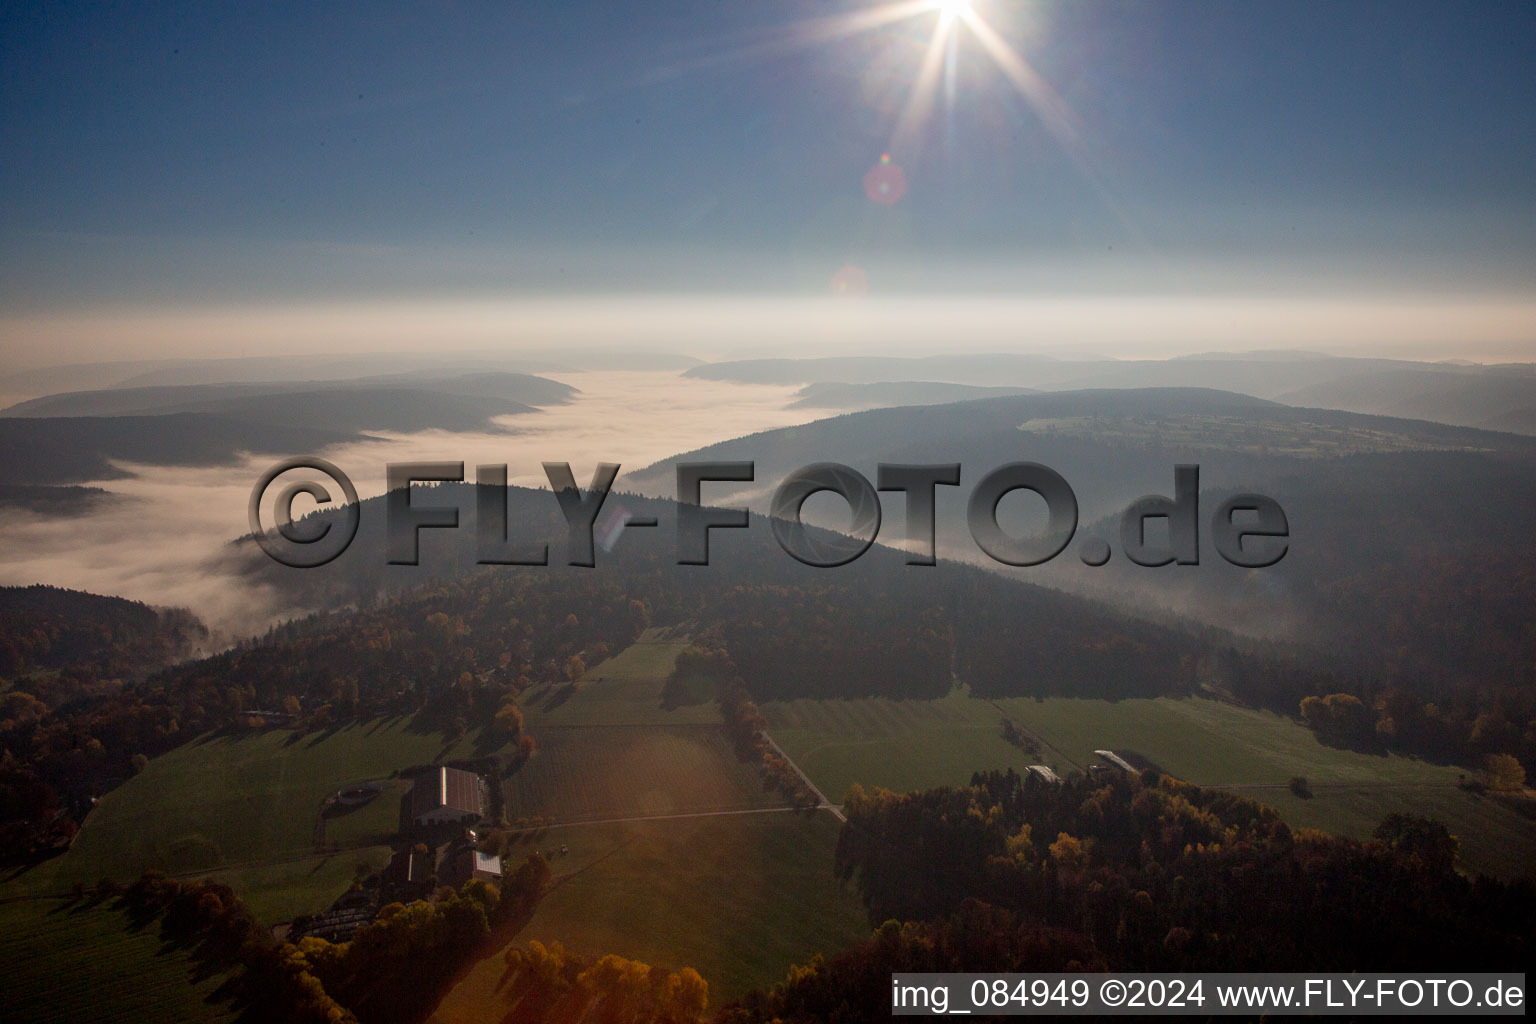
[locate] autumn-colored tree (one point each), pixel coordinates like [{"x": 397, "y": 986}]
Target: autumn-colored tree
[
  {"x": 1342, "y": 717},
  {"x": 20, "y": 708},
  {"x": 575, "y": 668},
  {"x": 1020, "y": 846},
  {"x": 1067, "y": 850},
  {"x": 509, "y": 720},
  {"x": 1504, "y": 772},
  {"x": 1425, "y": 839},
  {"x": 691, "y": 995}
]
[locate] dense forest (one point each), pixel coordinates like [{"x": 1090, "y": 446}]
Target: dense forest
[
  {"x": 877, "y": 626},
  {"x": 62, "y": 644},
  {"x": 64, "y": 656},
  {"x": 1138, "y": 872}
]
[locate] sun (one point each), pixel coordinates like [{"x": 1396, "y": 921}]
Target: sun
[
  {"x": 951, "y": 9},
  {"x": 935, "y": 71}
]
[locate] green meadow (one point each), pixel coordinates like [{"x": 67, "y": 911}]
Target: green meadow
[
  {"x": 248, "y": 806},
  {"x": 66, "y": 963},
  {"x": 905, "y": 745},
  {"x": 738, "y": 898}
]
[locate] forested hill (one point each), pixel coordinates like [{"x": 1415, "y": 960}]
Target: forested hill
[
  {"x": 1124, "y": 872},
  {"x": 1112, "y": 445},
  {"x": 1408, "y": 538},
  {"x": 80, "y": 437},
  {"x": 264, "y": 400},
  {"x": 874, "y": 626},
  {"x": 1498, "y": 397},
  {"x": 46, "y": 630},
  {"x": 81, "y": 449}
]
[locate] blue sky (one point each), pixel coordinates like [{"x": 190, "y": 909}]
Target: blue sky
[{"x": 179, "y": 154}]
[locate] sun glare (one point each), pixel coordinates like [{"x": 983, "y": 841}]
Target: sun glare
[{"x": 935, "y": 69}]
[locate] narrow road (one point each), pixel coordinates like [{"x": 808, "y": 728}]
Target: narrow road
[
  {"x": 1039, "y": 738},
  {"x": 828, "y": 804}
]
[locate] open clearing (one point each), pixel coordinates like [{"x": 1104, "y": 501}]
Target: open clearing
[
  {"x": 283, "y": 890},
  {"x": 737, "y": 898},
  {"x": 236, "y": 799},
  {"x": 906, "y": 745},
  {"x": 607, "y": 748},
  {"x": 624, "y": 690},
  {"x": 246, "y": 803},
  {"x": 898, "y": 744},
  {"x": 66, "y": 964},
  {"x": 618, "y": 771},
  {"x": 1495, "y": 839}
]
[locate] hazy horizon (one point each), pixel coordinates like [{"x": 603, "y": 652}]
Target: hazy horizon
[{"x": 1479, "y": 329}]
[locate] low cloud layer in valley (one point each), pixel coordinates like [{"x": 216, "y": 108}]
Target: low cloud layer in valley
[{"x": 165, "y": 539}]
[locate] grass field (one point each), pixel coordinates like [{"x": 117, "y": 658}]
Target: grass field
[
  {"x": 377, "y": 821},
  {"x": 624, "y": 690},
  {"x": 618, "y": 771},
  {"x": 738, "y": 898},
  {"x": 67, "y": 965},
  {"x": 283, "y": 890},
  {"x": 234, "y": 805},
  {"x": 607, "y": 748},
  {"x": 1208, "y": 742},
  {"x": 898, "y": 744},
  {"x": 917, "y": 744},
  {"x": 1495, "y": 840}
]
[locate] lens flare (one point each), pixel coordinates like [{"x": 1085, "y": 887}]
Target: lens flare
[{"x": 952, "y": 8}]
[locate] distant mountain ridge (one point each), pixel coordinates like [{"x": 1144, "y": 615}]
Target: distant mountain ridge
[
  {"x": 80, "y": 449},
  {"x": 1406, "y": 533},
  {"x": 74, "y": 437},
  {"x": 327, "y": 367},
  {"x": 830, "y": 395},
  {"x": 523, "y": 392},
  {"x": 1501, "y": 397}
]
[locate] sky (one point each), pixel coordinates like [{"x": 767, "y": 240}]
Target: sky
[{"x": 308, "y": 172}]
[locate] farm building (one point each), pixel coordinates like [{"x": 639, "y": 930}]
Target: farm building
[
  {"x": 447, "y": 796},
  {"x": 1116, "y": 760},
  {"x": 1045, "y": 772},
  {"x": 411, "y": 873},
  {"x": 346, "y": 916},
  {"x": 474, "y": 864}
]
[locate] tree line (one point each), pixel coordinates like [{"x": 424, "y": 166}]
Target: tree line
[{"x": 1131, "y": 872}]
